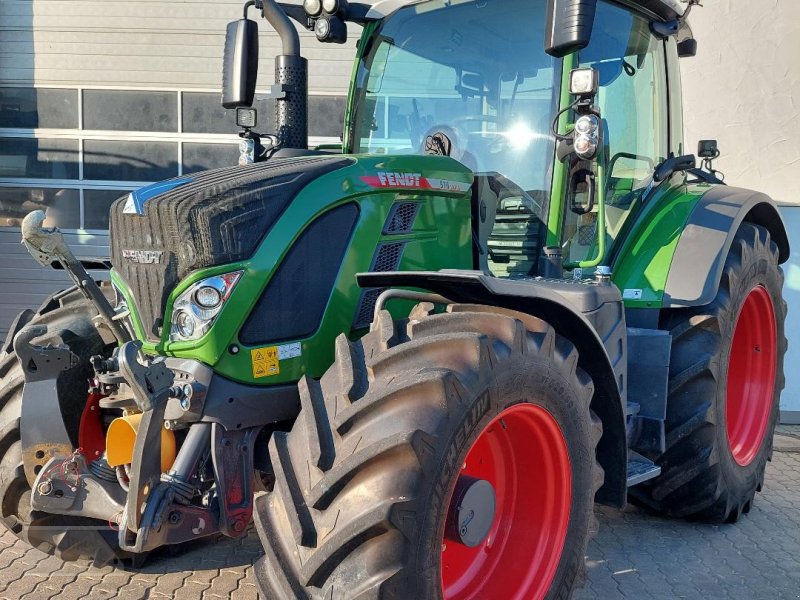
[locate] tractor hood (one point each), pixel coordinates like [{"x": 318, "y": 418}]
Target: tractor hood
[{"x": 161, "y": 233}]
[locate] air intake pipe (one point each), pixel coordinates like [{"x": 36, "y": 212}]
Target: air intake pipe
[{"x": 291, "y": 78}]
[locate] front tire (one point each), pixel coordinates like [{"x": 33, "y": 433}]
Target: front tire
[
  {"x": 726, "y": 377},
  {"x": 365, "y": 478}
]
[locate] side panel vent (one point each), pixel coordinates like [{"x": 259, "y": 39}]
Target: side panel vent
[
  {"x": 293, "y": 303},
  {"x": 387, "y": 258},
  {"x": 401, "y": 218}
]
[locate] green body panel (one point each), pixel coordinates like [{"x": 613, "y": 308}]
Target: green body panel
[
  {"x": 647, "y": 245},
  {"x": 441, "y": 238}
]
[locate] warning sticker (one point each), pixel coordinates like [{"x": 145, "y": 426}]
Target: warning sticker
[{"x": 265, "y": 362}]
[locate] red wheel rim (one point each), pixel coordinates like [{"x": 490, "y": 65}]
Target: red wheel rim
[
  {"x": 523, "y": 454},
  {"x": 751, "y": 376}
]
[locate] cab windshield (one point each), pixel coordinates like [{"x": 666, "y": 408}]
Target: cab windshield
[{"x": 475, "y": 71}]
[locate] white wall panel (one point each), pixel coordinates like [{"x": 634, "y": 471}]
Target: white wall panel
[
  {"x": 743, "y": 88},
  {"x": 143, "y": 43}
]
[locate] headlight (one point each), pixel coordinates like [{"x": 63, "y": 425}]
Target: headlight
[{"x": 197, "y": 308}]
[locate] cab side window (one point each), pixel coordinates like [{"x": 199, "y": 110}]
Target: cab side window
[{"x": 632, "y": 98}]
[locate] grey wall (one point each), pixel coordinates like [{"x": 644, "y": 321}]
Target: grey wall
[{"x": 142, "y": 43}]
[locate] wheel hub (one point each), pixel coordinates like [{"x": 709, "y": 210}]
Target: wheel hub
[
  {"x": 471, "y": 512},
  {"x": 519, "y": 467}
]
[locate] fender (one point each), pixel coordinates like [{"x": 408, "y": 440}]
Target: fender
[
  {"x": 560, "y": 304},
  {"x": 696, "y": 269}
]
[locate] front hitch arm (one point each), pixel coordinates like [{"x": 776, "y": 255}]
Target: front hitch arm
[{"x": 48, "y": 246}]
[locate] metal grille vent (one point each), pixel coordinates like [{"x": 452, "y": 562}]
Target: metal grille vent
[
  {"x": 366, "y": 307},
  {"x": 401, "y": 218},
  {"x": 387, "y": 258}
]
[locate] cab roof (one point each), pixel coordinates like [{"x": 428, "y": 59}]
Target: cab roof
[{"x": 663, "y": 9}]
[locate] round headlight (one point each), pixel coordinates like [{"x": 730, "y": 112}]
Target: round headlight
[
  {"x": 330, "y": 6},
  {"x": 312, "y": 7},
  {"x": 185, "y": 324},
  {"x": 322, "y": 28},
  {"x": 585, "y": 146},
  {"x": 587, "y": 124},
  {"x": 208, "y": 297}
]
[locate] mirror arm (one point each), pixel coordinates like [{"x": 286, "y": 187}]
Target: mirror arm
[{"x": 672, "y": 165}]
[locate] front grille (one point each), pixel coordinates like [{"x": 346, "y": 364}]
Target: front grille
[{"x": 219, "y": 217}]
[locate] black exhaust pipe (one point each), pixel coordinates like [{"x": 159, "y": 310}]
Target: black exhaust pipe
[{"x": 291, "y": 76}]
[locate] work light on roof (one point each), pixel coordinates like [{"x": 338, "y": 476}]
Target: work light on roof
[
  {"x": 583, "y": 82},
  {"x": 312, "y": 7}
]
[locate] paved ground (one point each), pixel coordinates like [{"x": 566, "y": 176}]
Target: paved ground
[{"x": 635, "y": 555}]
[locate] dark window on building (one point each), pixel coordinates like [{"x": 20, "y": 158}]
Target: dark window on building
[
  {"x": 96, "y": 204},
  {"x": 200, "y": 157},
  {"x": 203, "y": 113},
  {"x": 129, "y": 161},
  {"x": 31, "y": 108},
  {"x": 62, "y": 206},
  {"x": 326, "y": 115},
  {"x": 39, "y": 158},
  {"x": 120, "y": 110}
]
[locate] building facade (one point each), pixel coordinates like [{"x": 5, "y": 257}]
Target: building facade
[{"x": 99, "y": 98}]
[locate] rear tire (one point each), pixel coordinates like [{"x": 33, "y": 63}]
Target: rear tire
[
  {"x": 364, "y": 479},
  {"x": 68, "y": 318},
  {"x": 726, "y": 377}
]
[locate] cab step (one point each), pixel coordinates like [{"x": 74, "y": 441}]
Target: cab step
[{"x": 640, "y": 469}]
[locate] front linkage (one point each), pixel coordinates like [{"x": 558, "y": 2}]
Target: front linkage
[{"x": 154, "y": 496}]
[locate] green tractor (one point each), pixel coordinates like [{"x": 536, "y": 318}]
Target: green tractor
[{"x": 417, "y": 360}]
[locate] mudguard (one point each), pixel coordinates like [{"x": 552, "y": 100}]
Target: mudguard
[
  {"x": 577, "y": 312},
  {"x": 696, "y": 269}
]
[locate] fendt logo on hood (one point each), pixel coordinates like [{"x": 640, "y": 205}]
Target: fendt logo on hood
[{"x": 143, "y": 257}]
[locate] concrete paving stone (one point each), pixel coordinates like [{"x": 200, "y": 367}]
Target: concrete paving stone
[
  {"x": 246, "y": 591},
  {"x": 224, "y": 585},
  {"x": 168, "y": 583}
]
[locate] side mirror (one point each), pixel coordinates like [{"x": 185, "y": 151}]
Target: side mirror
[
  {"x": 569, "y": 26},
  {"x": 240, "y": 64}
]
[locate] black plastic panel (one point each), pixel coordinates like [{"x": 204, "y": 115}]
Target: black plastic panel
[{"x": 292, "y": 305}]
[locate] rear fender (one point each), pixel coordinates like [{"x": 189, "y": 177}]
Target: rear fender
[
  {"x": 607, "y": 369},
  {"x": 699, "y": 258}
]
